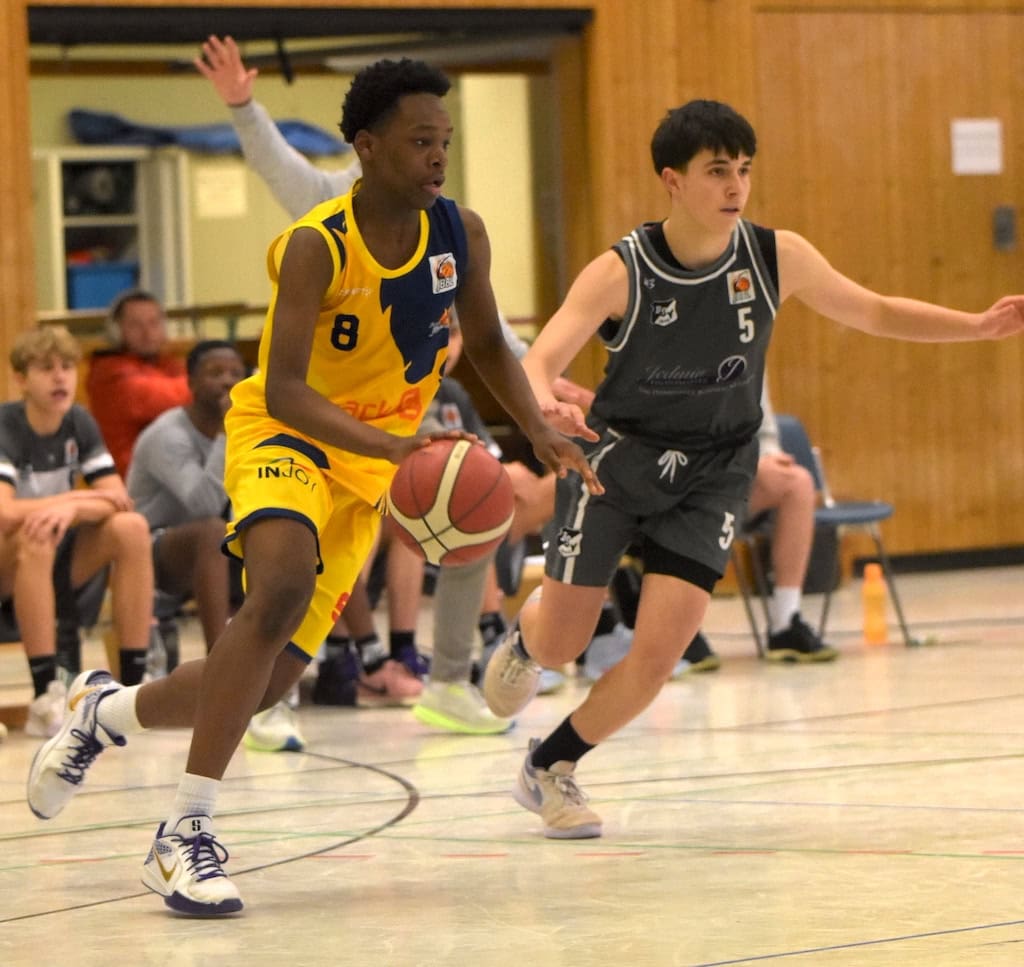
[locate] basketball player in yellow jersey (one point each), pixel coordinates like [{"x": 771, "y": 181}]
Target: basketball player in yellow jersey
[{"x": 353, "y": 350}]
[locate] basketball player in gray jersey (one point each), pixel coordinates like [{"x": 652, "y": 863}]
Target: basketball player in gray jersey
[{"x": 685, "y": 308}]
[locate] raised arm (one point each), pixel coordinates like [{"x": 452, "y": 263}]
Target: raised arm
[
  {"x": 294, "y": 181},
  {"x": 807, "y": 275}
]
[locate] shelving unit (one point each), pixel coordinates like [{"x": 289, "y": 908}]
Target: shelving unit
[{"x": 107, "y": 219}]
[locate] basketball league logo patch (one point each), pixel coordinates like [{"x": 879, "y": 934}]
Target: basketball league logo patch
[
  {"x": 741, "y": 287},
  {"x": 443, "y": 277}
]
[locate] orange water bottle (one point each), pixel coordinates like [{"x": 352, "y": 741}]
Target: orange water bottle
[{"x": 873, "y": 600}]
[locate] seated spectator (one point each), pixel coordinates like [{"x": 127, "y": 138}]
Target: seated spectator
[
  {"x": 131, "y": 384},
  {"x": 177, "y": 481},
  {"x": 55, "y": 537}
]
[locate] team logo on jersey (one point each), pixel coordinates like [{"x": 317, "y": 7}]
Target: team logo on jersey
[
  {"x": 664, "y": 312},
  {"x": 70, "y": 453},
  {"x": 285, "y": 468},
  {"x": 569, "y": 539},
  {"x": 451, "y": 417},
  {"x": 731, "y": 368},
  {"x": 443, "y": 276},
  {"x": 741, "y": 287}
]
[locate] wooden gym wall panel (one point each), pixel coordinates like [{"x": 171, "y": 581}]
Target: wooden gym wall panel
[
  {"x": 855, "y": 154},
  {"x": 17, "y": 267}
]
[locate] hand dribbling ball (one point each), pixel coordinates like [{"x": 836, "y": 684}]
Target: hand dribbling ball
[{"x": 452, "y": 501}]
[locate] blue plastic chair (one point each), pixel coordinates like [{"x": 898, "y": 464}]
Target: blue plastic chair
[{"x": 835, "y": 515}]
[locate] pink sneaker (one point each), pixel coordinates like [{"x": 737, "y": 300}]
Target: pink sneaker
[{"x": 391, "y": 684}]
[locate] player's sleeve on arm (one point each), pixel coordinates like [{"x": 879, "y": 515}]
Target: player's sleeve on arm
[
  {"x": 93, "y": 455},
  {"x": 294, "y": 181}
]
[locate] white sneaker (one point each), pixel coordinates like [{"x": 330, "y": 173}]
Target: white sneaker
[
  {"x": 606, "y": 651},
  {"x": 60, "y": 764},
  {"x": 458, "y": 707},
  {"x": 46, "y": 712},
  {"x": 184, "y": 867},
  {"x": 510, "y": 681},
  {"x": 555, "y": 797},
  {"x": 274, "y": 730}
]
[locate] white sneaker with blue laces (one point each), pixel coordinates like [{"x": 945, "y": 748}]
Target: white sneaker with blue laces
[
  {"x": 184, "y": 866},
  {"x": 555, "y": 797},
  {"x": 59, "y": 766}
]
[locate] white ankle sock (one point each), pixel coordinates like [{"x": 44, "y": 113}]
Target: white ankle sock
[
  {"x": 785, "y": 604},
  {"x": 196, "y": 796},
  {"x": 116, "y": 711}
]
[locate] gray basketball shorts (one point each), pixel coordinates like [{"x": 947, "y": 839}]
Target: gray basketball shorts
[{"x": 689, "y": 503}]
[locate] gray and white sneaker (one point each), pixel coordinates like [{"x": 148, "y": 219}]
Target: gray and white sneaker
[
  {"x": 510, "y": 681},
  {"x": 60, "y": 764},
  {"x": 555, "y": 797},
  {"x": 458, "y": 707}
]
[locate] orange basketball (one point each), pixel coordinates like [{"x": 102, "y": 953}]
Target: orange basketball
[{"x": 452, "y": 501}]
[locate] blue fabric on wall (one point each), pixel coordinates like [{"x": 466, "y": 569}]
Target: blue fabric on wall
[{"x": 95, "y": 127}]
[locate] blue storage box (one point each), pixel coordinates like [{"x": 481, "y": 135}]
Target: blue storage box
[{"x": 95, "y": 284}]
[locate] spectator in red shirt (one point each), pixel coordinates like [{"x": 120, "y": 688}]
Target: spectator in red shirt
[{"x": 130, "y": 385}]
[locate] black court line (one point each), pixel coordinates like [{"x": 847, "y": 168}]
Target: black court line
[
  {"x": 412, "y": 800},
  {"x": 853, "y": 945}
]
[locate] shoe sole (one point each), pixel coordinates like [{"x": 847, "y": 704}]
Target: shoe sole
[
  {"x": 439, "y": 720},
  {"x": 291, "y": 744},
  {"x": 183, "y": 907},
  {"x": 791, "y": 657},
  {"x": 704, "y": 665},
  {"x": 583, "y": 831}
]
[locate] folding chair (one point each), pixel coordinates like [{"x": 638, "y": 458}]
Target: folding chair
[{"x": 832, "y": 514}]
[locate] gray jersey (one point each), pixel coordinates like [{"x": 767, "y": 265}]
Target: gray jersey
[
  {"x": 44, "y": 466},
  {"x": 177, "y": 473},
  {"x": 686, "y": 363}
]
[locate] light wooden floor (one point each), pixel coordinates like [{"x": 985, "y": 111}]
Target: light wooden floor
[{"x": 862, "y": 813}]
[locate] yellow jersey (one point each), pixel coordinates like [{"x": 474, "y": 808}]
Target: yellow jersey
[{"x": 381, "y": 337}]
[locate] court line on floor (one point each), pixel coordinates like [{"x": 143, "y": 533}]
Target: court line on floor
[
  {"x": 853, "y": 945},
  {"x": 412, "y": 800}
]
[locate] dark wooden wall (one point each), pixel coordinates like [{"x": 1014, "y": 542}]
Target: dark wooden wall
[{"x": 852, "y": 103}]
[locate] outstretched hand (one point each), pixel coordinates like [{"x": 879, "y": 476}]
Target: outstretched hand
[
  {"x": 562, "y": 455},
  {"x": 1004, "y": 318},
  {"x": 567, "y": 418},
  {"x": 221, "y": 64}
]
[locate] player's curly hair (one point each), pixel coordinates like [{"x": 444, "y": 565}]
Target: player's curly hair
[
  {"x": 376, "y": 89},
  {"x": 685, "y": 131}
]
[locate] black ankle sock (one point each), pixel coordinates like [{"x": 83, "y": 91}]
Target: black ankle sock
[
  {"x": 626, "y": 588},
  {"x": 133, "y": 665},
  {"x": 44, "y": 671},
  {"x": 492, "y": 626},
  {"x": 563, "y": 745},
  {"x": 608, "y": 620},
  {"x": 398, "y": 640},
  {"x": 335, "y": 646}
]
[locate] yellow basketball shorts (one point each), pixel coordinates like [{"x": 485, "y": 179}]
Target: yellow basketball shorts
[{"x": 285, "y": 476}]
